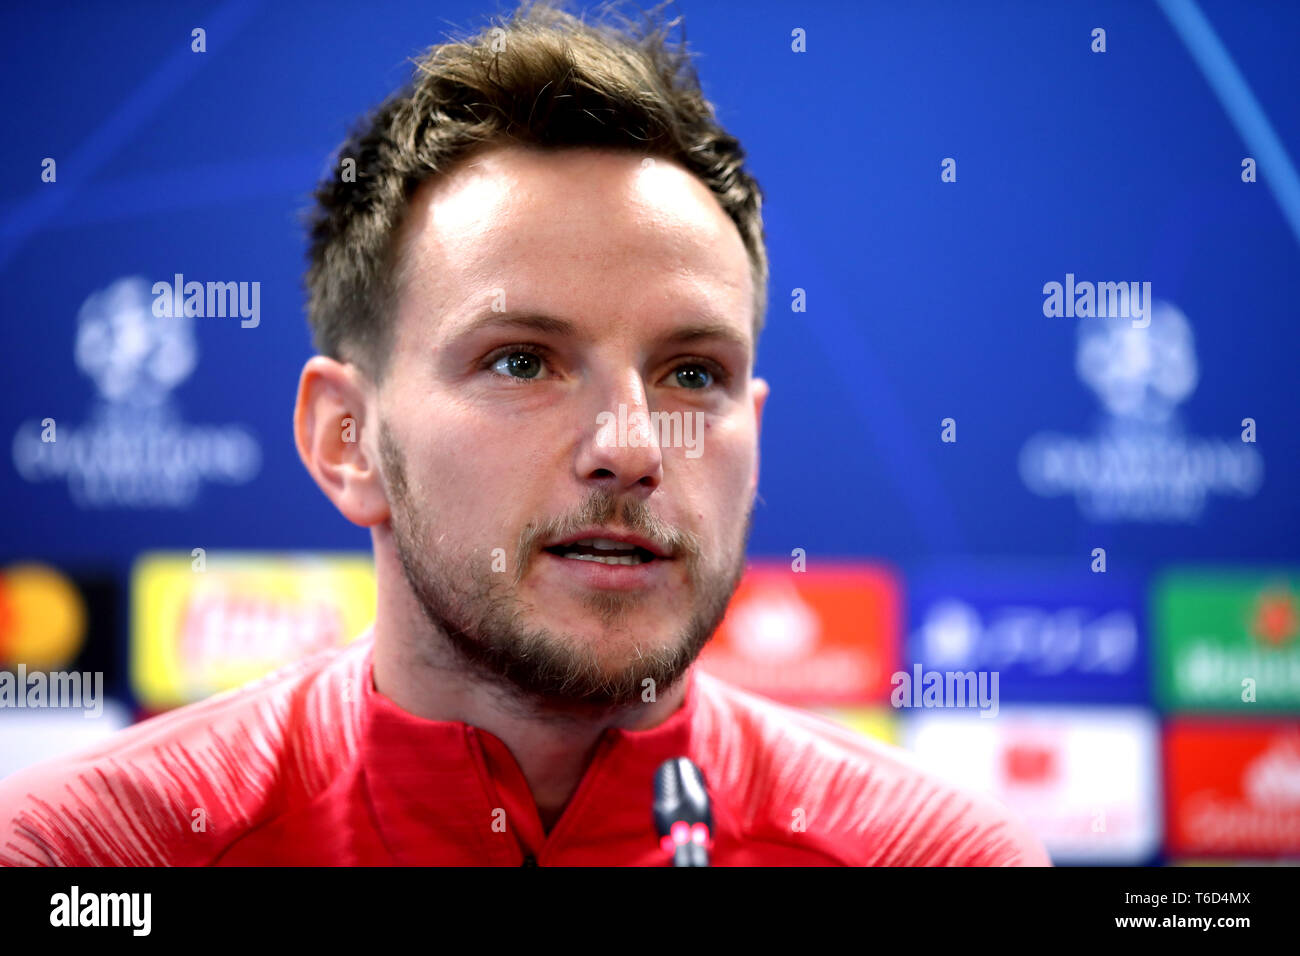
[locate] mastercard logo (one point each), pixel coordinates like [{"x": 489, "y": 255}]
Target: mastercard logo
[{"x": 42, "y": 617}]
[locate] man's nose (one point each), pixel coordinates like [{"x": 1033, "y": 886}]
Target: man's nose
[{"x": 620, "y": 445}]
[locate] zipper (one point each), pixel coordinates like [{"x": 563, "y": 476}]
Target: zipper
[{"x": 565, "y": 823}]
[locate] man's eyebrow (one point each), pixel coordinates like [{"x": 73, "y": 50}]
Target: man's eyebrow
[
  {"x": 549, "y": 324},
  {"x": 533, "y": 321},
  {"x": 693, "y": 333}
]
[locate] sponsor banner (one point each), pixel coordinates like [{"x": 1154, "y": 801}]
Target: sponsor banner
[
  {"x": 878, "y": 722},
  {"x": 1083, "y": 780},
  {"x": 29, "y": 736},
  {"x": 206, "y": 623},
  {"x": 827, "y": 636},
  {"x": 1228, "y": 640},
  {"x": 1233, "y": 788},
  {"x": 57, "y": 623},
  {"x": 1212, "y": 862},
  {"x": 1051, "y": 635}
]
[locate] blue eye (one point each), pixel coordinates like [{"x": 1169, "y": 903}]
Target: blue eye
[
  {"x": 693, "y": 376},
  {"x": 518, "y": 364}
]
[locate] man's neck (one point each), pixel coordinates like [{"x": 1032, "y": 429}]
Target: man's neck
[{"x": 553, "y": 750}]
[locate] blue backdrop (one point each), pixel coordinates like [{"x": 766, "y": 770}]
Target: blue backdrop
[{"x": 922, "y": 299}]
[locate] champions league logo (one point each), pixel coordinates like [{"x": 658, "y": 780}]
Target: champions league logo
[
  {"x": 135, "y": 452},
  {"x": 1141, "y": 465}
]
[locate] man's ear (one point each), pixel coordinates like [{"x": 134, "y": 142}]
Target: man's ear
[
  {"x": 760, "y": 391},
  {"x": 328, "y": 422}
]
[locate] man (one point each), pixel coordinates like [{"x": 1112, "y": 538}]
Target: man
[{"x": 546, "y": 235}]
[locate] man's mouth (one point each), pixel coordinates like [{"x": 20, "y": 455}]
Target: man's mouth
[{"x": 603, "y": 551}]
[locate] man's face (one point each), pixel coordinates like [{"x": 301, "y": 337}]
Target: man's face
[{"x": 541, "y": 325}]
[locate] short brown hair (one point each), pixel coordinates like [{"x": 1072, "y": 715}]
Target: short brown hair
[{"x": 543, "y": 78}]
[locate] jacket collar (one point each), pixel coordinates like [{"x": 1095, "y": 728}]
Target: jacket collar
[{"x": 446, "y": 791}]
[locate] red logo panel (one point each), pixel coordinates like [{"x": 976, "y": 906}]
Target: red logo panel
[
  {"x": 828, "y": 636},
  {"x": 1233, "y": 788}
]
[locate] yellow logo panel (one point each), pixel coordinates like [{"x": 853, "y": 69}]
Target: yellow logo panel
[
  {"x": 206, "y": 623},
  {"x": 871, "y": 721}
]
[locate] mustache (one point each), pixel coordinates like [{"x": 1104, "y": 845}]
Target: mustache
[{"x": 603, "y": 508}]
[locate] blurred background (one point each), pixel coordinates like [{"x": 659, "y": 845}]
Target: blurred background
[{"x": 1101, "y": 512}]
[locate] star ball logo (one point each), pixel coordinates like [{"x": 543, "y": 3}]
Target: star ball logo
[
  {"x": 135, "y": 451},
  {"x": 1141, "y": 466}
]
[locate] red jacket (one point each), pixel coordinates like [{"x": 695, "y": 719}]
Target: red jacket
[{"x": 312, "y": 766}]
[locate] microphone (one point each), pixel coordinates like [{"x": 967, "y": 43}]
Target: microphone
[{"x": 682, "y": 814}]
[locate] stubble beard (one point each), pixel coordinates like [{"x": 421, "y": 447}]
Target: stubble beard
[{"x": 479, "y": 615}]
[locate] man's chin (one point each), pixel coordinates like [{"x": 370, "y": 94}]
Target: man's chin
[
  {"x": 585, "y": 633},
  {"x": 595, "y": 613}
]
